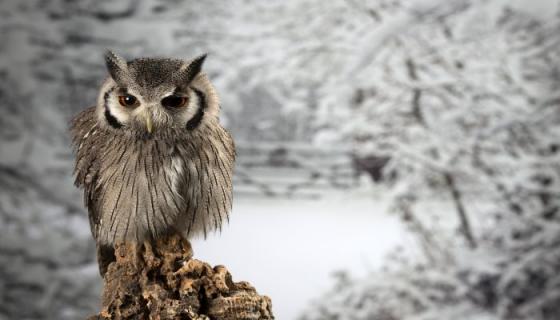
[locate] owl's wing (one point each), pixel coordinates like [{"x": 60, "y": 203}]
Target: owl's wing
[
  {"x": 206, "y": 186},
  {"x": 83, "y": 129}
]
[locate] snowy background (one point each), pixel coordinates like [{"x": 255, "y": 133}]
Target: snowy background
[{"x": 398, "y": 160}]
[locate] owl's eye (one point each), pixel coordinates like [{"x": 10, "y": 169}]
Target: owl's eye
[
  {"x": 173, "y": 102},
  {"x": 129, "y": 101}
]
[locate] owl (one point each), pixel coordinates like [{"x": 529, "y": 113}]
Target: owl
[{"x": 151, "y": 156}]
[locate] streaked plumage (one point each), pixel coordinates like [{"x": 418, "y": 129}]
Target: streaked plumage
[{"x": 149, "y": 170}]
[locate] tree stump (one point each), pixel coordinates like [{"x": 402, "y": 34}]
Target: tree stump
[{"x": 161, "y": 281}]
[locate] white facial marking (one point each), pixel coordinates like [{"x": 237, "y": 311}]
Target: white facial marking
[
  {"x": 191, "y": 109},
  {"x": 119, "y": 112}
]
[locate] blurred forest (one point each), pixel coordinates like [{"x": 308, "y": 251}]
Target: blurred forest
[{"x": 455, "y": 102}]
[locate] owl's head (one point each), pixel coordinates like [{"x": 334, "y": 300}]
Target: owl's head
[{"x": 148, "y": 96}]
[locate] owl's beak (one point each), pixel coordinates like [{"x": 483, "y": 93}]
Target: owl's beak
[{"x": 149, "y": 125}]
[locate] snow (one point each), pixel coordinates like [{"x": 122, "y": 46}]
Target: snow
[
  {"x": 543, "y": 10},
  {"x": 288, "y": 249},
  {"x": 310, "y": 71}
]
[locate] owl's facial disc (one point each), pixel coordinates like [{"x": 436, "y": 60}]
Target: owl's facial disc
[
  {"x": 149, "y": 111},
  {"x": 147, "y": 95}
]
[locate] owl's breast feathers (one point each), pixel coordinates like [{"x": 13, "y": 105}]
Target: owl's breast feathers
[{"x": 137, "y": 189}]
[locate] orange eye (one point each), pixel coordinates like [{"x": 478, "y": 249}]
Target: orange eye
[
  {"x": 129, "y": 101},
  {"x": 173, "y": 102}
]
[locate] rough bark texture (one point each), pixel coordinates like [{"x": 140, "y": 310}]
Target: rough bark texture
[{"x": 162, "y": 281}]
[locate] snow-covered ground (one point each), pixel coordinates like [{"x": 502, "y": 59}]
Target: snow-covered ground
[{"x": 288, "y": 249}]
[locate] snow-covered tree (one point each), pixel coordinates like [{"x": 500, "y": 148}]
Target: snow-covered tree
[{"x": 465, "y": 104}]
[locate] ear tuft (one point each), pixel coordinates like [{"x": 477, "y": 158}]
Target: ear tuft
[
  {"x": 115, "y": 65},
  {"x": 191, "y": 70}
]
